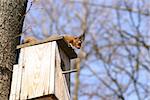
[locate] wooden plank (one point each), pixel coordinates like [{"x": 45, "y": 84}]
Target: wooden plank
[
  {"x": 49, "y": 39},
  {"x": 19, "y": 78},
  {"x": 52, "y": 68},
  {"x": 69, "y": 71},
  {"x": 48, "y": 70},
  {"x": 37, "y": 75},
  {"x": 36, "y": 72},
  {"x": 46, "y": 97},
  {"x": 66, "y": 65},
  {"x": 58, "y": 87},
  {"x": 61, "y": 89},
  {"x": 14, "y": 83},
  {"x": 61, "y": 42},
  {"x": 66, "y": 87}
]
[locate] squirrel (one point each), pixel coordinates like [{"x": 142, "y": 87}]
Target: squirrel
[
  {"x": 30, "y": 39},
  {"x": 75, "y": 41}
]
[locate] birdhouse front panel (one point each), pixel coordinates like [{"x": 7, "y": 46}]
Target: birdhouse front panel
[
  {"x": 38, "y": 66},
  {"x": 39, "y": 73}
]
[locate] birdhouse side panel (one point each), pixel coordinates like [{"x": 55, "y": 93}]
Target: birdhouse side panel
[
  {"x": 61, "y": 88},
  {"x": 65, "y": 65}
]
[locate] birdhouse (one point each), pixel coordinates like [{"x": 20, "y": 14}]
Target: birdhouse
[{"x": 42, "y": 72}]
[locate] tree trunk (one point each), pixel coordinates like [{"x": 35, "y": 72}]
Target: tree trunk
[
  {"x": 11, "y": 22},
  {"x": 77, "y": 80}
]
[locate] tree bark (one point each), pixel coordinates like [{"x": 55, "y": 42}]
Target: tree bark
[{"x": 11, "y": 21}]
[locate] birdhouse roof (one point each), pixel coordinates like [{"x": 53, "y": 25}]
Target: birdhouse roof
[{"x": 66, "y": 47}]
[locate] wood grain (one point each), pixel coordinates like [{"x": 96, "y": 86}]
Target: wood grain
[
  {"x": 61, "y": 89},
  {"x": 14, "y": 83},
  {"x": 39, "y": 74}
]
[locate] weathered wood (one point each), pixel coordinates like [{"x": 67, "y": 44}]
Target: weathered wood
[
  {"x": 52, "y": 68},
  {"x": 50, "y": 39},
  {"x": 61, "y": 89},
  {"x": 69, "y": 71},
  {"x": 40, "y": 73},
  {"x": 69, "y": 51},
  {"x": 46, "y": 97},
  {"x": 65, "y": 61},
  {"x": 18, "y": 82},
  {"x": 14, "y": 83}
]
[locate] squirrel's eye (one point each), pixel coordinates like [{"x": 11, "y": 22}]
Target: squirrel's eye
[{"x": 71, "y": 41}]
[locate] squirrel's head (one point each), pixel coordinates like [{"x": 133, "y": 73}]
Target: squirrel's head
[{"x": 77, "y": 42}]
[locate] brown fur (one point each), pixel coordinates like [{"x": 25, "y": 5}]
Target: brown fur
[
  {"x": 72, "y": 40},
  {"x": 30, "y": 39}
]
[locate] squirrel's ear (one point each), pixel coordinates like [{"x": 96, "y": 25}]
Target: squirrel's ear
[{"x": 82, "y": 36}]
